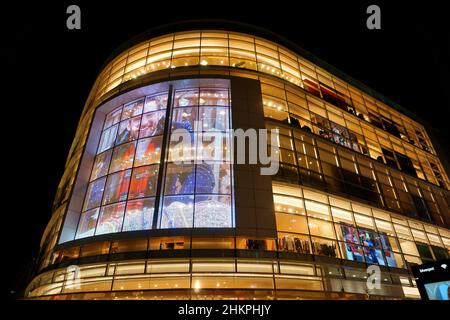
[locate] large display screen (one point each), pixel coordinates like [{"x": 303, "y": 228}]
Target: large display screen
[
  {"x": 364, "y": 245},
  {"x": 438, "y": 290},
  {"x": 129, "y": 168},
  {"x": 433, "y": 279}
]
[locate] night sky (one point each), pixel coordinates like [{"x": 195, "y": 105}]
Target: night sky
[{"x": 50, "y": 70}]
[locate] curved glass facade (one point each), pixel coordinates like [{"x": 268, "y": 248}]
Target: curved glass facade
[
  {"x": 244, "y": 52},
  {"x": 152, "y": 206}
]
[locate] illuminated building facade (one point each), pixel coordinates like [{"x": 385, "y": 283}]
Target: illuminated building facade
[{"x": 359, "y": 181}]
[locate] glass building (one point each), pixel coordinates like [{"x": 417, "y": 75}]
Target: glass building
[{"x": 359, "y": 182}]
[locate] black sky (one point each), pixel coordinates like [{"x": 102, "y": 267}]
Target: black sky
[{"x": 51, "y": 69}]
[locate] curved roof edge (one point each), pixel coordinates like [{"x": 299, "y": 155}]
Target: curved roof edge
[{"x": 236, "y": 26}]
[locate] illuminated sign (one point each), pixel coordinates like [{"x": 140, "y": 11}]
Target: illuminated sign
[{"x": 433, "y": 280}]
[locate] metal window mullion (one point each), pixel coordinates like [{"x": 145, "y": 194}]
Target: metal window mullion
[{"x": 164, "y": 154}]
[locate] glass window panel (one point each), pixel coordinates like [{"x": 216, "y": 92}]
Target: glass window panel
[
  {"x": 324, "y": 247},
  {"x": 181, "y": 150},
  {"x": 128, "y": 130},
  {"x": 327, "y": 156},
  {"x": 340, "y": 215},
  {"x": 374, "y": 255},
  {"x": 214, "y": 118},
  {"x": 364, "y": 221},
  {"x": 317, "y": 210},
  {"x": 440, "y": 253},
  {"x": 320, "y": 228},
  {"x": 113, "y": 117},
  {"x": 446, "y": 242},
  {"x": 155, "y": 102},
  {"x": 94, "y": 194},
  {"x": 273, "y": 91},
  {"x": 132, "y": 109},
  {"x": 213, "y": 97},
  {"x": 87, "y": 224},
  {"x": 351, "y": 251},
  {"x": 291, "y": 223},
  {"x": 288, "y": 204},
  {"x": 185, "y": 43},
  {"x": 391, "y": 243},
  {"x": 416, "y": 225},
  {"x": 132, "y": 245},
  {"x": 148, "y": 151},
  {"x": 110, "y": 219},
  {"x": 180, "y": 179},
  {"x": 430, "y": 229},
  {"x": 403, "y": 231},
  {"x": 177, "y": 212},
  {"x": 424, "y": 251},
  {"x": 152, "y": 124},
  {"x": 116, "y": 188},
  {"x": 101, "y": 165},
  {"x": 275, "y": 108},
  {"x": 434, "y": 239},
  {"x": 412, "y": 259},
  {"x": 340, "y": 203},
  {"x": 214, "y": 177},
  {"x": 128, "y": 268},
  {"x": 249, "y": 46},
  {"x": 369, "y": 238},
  {"x": 315, "y": 196},
  {"x": 287, "y": 156},
  {"x": 143, "y": 182},
  {"x": 107, "y": 139},
  {"x": 123, "y": 157},
  {"x": 184, "y": 118},
  {"x": 286, "y": 189},
  {"x": 347, "y": 233},
  {"x": 213, "y": 146},
  {"x": 408, "y": 247},
  {"x": 293, "y": 268},
  {"x": 294, "y": 243},
  {"x": 384, "y": 226},
  {"x": 380, "y": 214},
  {"x": 212, "y": 211},
  {"x": 419, "y": 235},
  {"x": 139, "y": 215},
  {"x": 184, "y": 98}
]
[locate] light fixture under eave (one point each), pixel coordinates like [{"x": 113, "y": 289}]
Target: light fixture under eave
[{"x": 204, "y": 63}]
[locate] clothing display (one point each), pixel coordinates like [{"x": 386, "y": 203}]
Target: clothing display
[
  {"x": 295, "y": 244},
  {"x": 324, "y": 249},
  {"x": 256, "y": 244}
]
